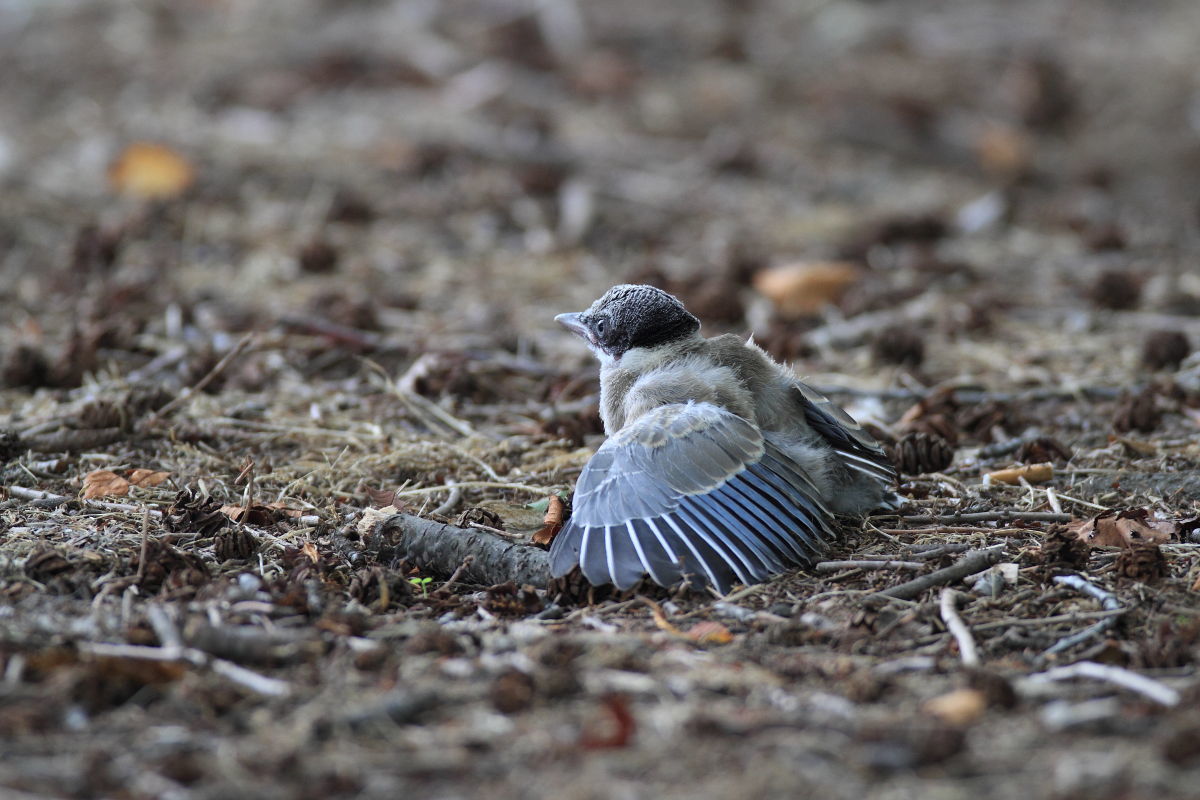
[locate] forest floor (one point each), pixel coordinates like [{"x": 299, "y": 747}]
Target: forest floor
[{"x": 266, "y": 267}]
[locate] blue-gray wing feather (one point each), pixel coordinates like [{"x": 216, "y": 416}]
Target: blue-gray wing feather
[
  {"x": 858, "y": 448},
  {"x": 690, "y": 491}
]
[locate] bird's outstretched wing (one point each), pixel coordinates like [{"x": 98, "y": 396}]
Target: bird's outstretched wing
[
  {"x": 857, "y": 448},
  {"x": 690, "y": 491}
]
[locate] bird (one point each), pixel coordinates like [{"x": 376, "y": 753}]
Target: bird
[{"x": 720, "y": 466}]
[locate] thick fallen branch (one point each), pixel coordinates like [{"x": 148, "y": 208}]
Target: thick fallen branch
[
  {"x": 975, "y": 561},
  {"x": 441, "y": 550}
]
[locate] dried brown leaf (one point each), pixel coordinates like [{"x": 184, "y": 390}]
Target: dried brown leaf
[
  {"x": 104, "y": 483},
  {"x": 621, "y": 731},
  {"x": 704, "y": 633},
  {"x": 806, "y": 287},
  {"x": 1004, "y": 150},
  {"x": 146, "y": 478},
  {"x": 1123, "y": 528},
  {"x": 960, "y": 707},
  {"x": 149, "y": 170},
  {"x": 552, "y": 522},
  {"x": 282, "y": 510},
  {"x": 709, "y": 633},
  {"x": 660, "y": 618},
  {"x": 309, "y": 549},
  {"x": 253, "y": 515},
  {"x": 380, "y": 498}
]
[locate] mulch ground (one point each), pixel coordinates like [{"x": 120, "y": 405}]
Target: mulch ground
[{"x": 271, "y": 274}]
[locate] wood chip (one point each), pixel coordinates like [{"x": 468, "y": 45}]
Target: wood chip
[{"x": 1033, "y": 473}]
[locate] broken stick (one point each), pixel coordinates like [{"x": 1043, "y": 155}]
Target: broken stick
[
  {"x": 972, "y": 562},
  {"x": 442, "y": 549}
]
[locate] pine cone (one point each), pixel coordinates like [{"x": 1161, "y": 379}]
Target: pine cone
[
  {"x": 102, "y": 414},
  {"x": 1165, "y": 349},
  {"x": 919, "y": 453},
  {"x": 1061, "y": 548},
  {"x": 899, "y": 344},
  {"x": 509, "y": 600},
  {"x": 1142, "y": 562},
  {"x": 190, "y": 511},
  {"x": 10, "y": 444},
  {"x": 979, "y": 421},
  {"x": 1138, "y": 412},
  {"x": 1117, "y": 290},
  {"x": 1041, "y": 450},
  {"x": 237, "y": 544},
  {"x": 45, "y": 563}
]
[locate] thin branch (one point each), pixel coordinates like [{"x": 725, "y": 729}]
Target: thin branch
[
  {"x": 190, "y": 392},
  {"x": 983, "y": 516},
  {"x": 164, "y": 627},
  {"x": 956, "y": 626},
  {"x": 1119, "y": 676},
  {"x": 972, "y": 562},
  {"x": 453, "y": 579},
  {"x": 1107, "y": 600},
  {"x": 867, "y": 564},
  {"x": 143, "y": 553},
  {"x": 476, "y": 485},
  {"x": 937, "y": 551},
  {"x": 452, "y": 501},
  {"x": 37, "y": 494},
  {"x": 247, "y": 679}
]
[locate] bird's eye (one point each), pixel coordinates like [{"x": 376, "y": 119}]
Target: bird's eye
[{"x": 600, "y": 327}]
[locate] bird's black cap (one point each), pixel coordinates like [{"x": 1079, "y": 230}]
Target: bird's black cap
[{"x": 631, "y": 315}]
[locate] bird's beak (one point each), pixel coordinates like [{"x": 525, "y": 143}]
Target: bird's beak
[{"x": 574, "y": 323}]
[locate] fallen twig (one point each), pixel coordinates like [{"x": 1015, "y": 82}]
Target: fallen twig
[
  {"x": 451, "y": 502},
  {"x": 191, "y": 391},
  {"x": 142, "y": 557},
  {"x": 1107, "y": 600},
  {"x": 540, "y": 490},
  {"x": 453, "y": 579},
  {"x": 926, "y": 552},
  {"x": 1055, "y": 619},
  {"x": 956, "y": 626},
  {"x": 834, "y": 566},
  {"x": 432, "y": 415},
  {"x": 1119, "y": 676},
  {"x": 985, "y": 516},
  {"x": 247, "y": 679},
  {"x": 162, "y": 624},
  {"x": 974, "y": 396},
  {"x": 972, "y": 562},
  {"x": 340, "y": 334},
  {"x": 37, "y": 494}
]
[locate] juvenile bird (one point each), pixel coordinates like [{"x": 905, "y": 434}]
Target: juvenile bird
[{"x": 720, "y": 467}]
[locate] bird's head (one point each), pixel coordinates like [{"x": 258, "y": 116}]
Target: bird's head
[{"x": 629, "y": 316}]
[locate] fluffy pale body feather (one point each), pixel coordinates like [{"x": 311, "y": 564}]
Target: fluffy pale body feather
[{"x": 737, "y": 375}]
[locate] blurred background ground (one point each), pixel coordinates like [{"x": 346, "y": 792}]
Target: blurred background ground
[{"x": 393, "y": 199}]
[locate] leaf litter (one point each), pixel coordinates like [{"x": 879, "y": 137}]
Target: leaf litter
[{"x": 307, "y": 317}]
